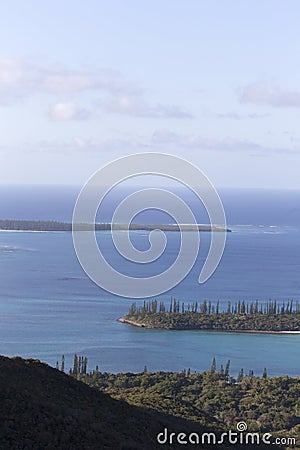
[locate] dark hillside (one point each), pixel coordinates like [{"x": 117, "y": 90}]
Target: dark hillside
[{"x": 43, "y": 408}]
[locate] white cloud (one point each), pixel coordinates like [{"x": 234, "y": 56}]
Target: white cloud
[
  {"x": 66, "y": 82},
  {"x": 237, "y": 116},
  {"x": 67, "y": 110},
  {"x": 11, "y": 71},
  {"x": 16, "y": 80},
  {"x": 59, "y": 79},
  {"x": 166, "y": 138},
  {"x": 135, "y": 105},
  {"x": 20, "y": 79},
  {"x": 270, "y": 94}
]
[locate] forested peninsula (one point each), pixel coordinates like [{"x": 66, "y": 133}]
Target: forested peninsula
[
  {"x": 269, "y": 317},
  {"x": 52, "y": 225}
]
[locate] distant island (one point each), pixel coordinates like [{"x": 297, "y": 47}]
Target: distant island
[
  {"x": 254, "y": 317},
  {"x": 52, "y": 225}
]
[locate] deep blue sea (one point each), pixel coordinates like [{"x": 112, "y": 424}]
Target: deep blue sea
[{"x": 49, "y": 307}]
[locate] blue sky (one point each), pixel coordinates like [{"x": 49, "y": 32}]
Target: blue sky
[{"x": 216, "y": 82}]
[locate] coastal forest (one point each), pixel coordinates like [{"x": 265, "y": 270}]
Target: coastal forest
[
  {"x": 271, "y": 316},
  {"x": 213, "y": 399}
]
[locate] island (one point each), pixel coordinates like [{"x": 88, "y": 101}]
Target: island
[
  {"x": 253, "y": 317},
  {"x": 52, "y": 225}
]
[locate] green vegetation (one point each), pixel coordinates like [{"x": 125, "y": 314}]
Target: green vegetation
[
  {"x": 34, "y": 225},
  {"x": 213, "y": 399},
  {"x": 47, "y": 225},
  {"x": 268, "y": 317}
]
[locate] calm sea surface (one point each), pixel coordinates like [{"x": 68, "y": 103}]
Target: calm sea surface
[{"x": 48, "y": 306}]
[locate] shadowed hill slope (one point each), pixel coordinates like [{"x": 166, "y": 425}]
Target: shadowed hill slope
[{"x": 42, "y": 408}]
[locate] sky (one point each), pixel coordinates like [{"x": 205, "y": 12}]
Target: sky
[{"x": 215, "y": 82}]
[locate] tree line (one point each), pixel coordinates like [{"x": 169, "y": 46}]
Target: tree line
[
  {"x": 272, "y": 307},
  {"x": 80, "y": 364}
]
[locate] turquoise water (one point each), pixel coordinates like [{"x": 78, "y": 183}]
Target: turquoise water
[{"x": 48, "y": 306}]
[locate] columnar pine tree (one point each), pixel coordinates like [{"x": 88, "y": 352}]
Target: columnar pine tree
[
  {"x": 240, "y": 375},
  {"x": 213, "y": 365},
  {"x": 75, "y": 365},
  {"x": 222, "y": 370},
  {"x": 227, "y": 368}
]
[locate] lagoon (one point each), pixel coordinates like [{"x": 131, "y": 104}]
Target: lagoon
[{"x": 48, "y": 306}]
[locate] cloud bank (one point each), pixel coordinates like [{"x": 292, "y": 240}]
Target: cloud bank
[
  {"x": 270, "y": 94},
  {"x": 136, "y": 106},
  {"x": 20, "y": 79}
]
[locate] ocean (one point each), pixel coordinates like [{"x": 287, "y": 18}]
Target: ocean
[{"x": 49, "y": 306}]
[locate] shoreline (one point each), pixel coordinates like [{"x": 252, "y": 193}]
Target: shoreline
[{"x": 211, "y": 330}]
